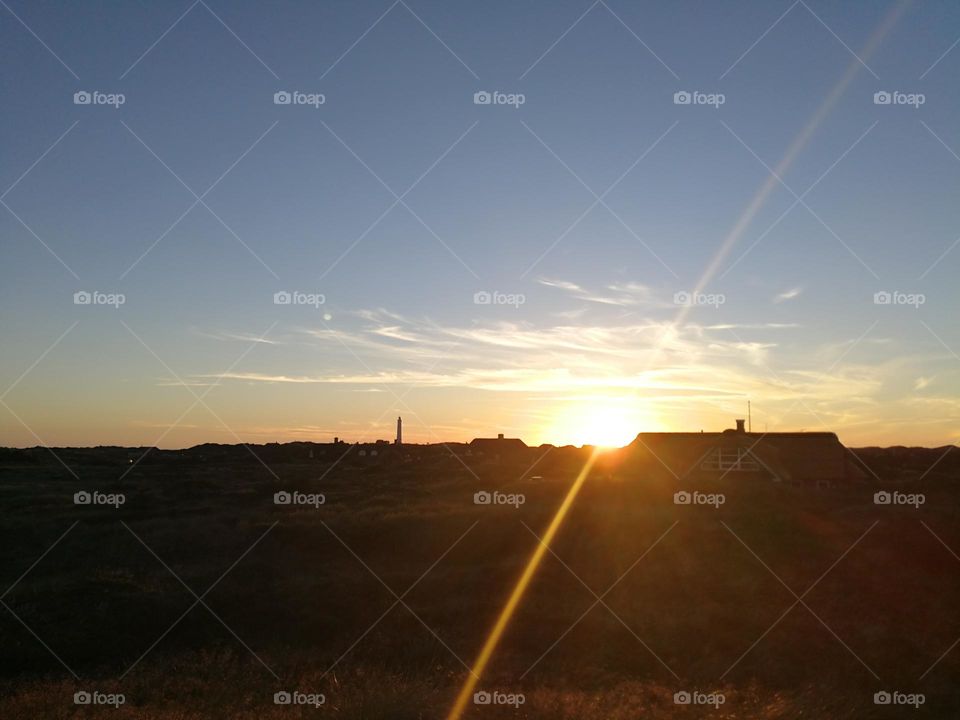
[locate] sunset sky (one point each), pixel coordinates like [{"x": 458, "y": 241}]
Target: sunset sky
[{"x": 588, "y": 215}]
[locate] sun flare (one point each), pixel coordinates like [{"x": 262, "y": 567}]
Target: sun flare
[{"x": 603, "y": 421}]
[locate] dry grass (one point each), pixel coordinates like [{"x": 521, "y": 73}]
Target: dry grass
[{"x": 300, "y": 599}]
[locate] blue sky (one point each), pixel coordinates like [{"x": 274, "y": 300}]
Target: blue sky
[{"x": 493, "y": 198}]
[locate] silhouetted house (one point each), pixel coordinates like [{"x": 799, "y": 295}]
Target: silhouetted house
[
  {"x": 497, "y": 447},
  {"x": 799, "y": 457}
]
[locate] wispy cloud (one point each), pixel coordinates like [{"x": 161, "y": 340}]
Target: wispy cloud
[
  {"x": 788, "y": 295},
  {"x": 541, "y": 365},
  {"x": 692, "y": 362},
  {"x": 627, "y": 294},
  {"x": 228, "y": 336}
]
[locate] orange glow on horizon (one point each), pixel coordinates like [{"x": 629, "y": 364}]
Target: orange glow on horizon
[{"x": 604, "y": 422}]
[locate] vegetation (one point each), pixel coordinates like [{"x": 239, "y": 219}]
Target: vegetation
[{"x": 686, "y": 590}]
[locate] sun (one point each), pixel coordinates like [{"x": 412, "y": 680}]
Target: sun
[{"x": 607, "y": 422}]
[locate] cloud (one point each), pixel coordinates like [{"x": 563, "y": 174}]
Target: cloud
[
  {"x": 645, "y": 358},
  {"x": 235, "y": 336},
  {"x": 628, "y": 294},
  {"x": 562, "y": 284},
  {"x": 534, "y": 368},
  {"x": 787, "y": 295},
  {"x": 173, "y": 382}
]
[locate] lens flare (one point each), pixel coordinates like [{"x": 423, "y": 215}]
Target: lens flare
[{"x": 480, "y": 664}]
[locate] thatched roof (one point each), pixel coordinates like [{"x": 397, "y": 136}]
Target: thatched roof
[{"x": 789, "y": 456}]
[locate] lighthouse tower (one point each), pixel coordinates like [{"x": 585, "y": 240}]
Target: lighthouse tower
[{"x": 399, "y": 440}]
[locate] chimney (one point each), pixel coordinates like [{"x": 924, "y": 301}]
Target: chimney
[
  {"x": 740, "y": 428},
  {"x": 499, "y": 436}
]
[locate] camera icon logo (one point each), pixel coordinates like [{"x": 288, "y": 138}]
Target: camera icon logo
[
  {"x": 82, "y": 498},
  {"x": 82, "y": 97},
  {"x": 82, "y": 697},
  {"x": 482, "y": 697},
  {"x": 682, "y": 97},
  {"x": 882, "y": 698},
  {"x": 681, "y": 298},
  {"x": 482, "y": 498},
  {"x": 282, "y": 698},
  {"x": 482, "y": 98},
  {"x": 282, "y": 498},
  {"x": 882, "y": 497},
  {"x": 882, "y": 298},
  {"x": 681, "y": 698},
  {"x": 482, "y": 298},
  {"x": 82, "y": 297},
  {"x": 681, "y": 497},
  {"x": 882, "y": 97},
  {"x": 282, "y": 97},
  {"x": 282, "y": 298}
]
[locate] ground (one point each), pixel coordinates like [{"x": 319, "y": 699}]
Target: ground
[{"x": 200, "y": 597}]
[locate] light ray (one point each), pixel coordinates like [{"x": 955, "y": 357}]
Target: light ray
[
  {"x": 480, "y": 664},
  {"x": 796, "y": 147}
]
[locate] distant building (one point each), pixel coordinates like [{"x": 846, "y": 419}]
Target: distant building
[
  {"x": 497, "y": 447},
  {"x": 399, "y": 440},
  {"x": 803, "y": 457}
]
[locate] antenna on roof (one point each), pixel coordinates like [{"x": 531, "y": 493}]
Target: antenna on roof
[{"x": 749, "y": 418}]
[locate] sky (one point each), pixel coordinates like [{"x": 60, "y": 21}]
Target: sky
[{"x": 563, "y": 221}]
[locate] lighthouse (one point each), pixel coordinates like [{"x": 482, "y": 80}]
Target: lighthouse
[{"x": 399, "y": 440}]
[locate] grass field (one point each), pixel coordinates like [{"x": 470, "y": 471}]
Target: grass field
[{"x": 199, "y": 597}]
